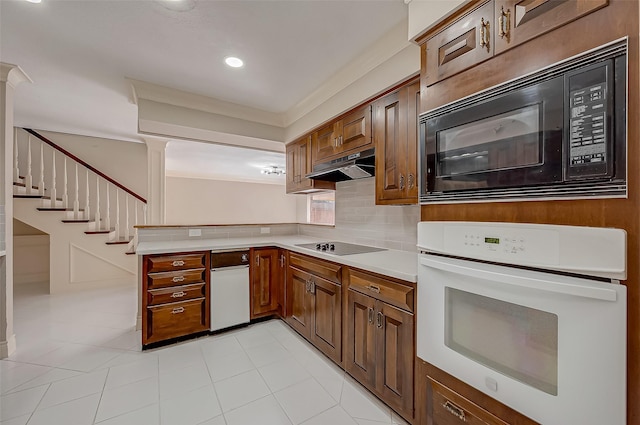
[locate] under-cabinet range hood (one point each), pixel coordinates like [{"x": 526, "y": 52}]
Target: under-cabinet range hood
[{"x": 350, "y": 167}]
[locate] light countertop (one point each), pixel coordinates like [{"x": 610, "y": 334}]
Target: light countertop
[
  {"x": 3, "y": 253},
  {"x": 401, "y": 265}
]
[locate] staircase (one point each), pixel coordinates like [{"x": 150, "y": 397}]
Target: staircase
[{"x": 89, "y": 216}]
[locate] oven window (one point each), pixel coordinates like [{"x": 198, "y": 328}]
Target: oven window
[
  {"x": 509, "y": 140},
  {"x": 517, "y": 341}
]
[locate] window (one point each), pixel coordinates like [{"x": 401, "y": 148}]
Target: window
[{"x": 321, "y": 208}]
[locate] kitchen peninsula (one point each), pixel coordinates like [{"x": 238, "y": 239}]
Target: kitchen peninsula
[{"x": 357, "y": 309}]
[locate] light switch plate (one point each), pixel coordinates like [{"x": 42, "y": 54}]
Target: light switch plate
[{"x": 195, "y": 232}]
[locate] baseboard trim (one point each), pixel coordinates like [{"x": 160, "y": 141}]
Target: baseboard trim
[{"x": 8, "y": 347}]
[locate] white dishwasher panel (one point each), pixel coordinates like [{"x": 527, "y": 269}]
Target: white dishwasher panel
[{"x": 229, "y": 297}]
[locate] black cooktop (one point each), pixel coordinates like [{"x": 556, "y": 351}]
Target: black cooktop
[{"x": 340, "y": 248}]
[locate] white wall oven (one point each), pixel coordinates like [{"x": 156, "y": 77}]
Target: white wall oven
[
  {"x": 558, "y": 132},
  {"x": 532, "y": 315}
]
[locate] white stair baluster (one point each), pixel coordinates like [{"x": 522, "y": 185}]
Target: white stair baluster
[
  {"x": 135, "y": 213},
  {"x": 16, "y": 168},
  {"x": 117, "y": 234},
  {"x": 87, "y": 207},
  {"x": 144, "y": 214},
  {"x": 28, "y": 179},
  {"x": 65, "y": 196},
  {"x": 97, "y": 216},
  {"x": 107, "y": 222},
  {"x": 76, "y": 200},
  {"x": 54, "y": 193},
  {"x": 126, "y": 216},
  {"x": 41, "y": 183}
]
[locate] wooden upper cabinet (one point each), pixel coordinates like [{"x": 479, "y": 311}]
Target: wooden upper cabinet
[
  {"x": 351, "y": 133},
  {"x": 299, "y": 165},
  {"x": 264, "y": 281},
  {"x": 395, "y": 133},
  {"x": 466, "y": 42},
  {"x": 518, "y": 21}
]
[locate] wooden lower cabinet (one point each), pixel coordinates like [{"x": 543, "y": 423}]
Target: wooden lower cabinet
[
  {"x": 175, "y": 296},
  {"x": 265, "y": 277},
  {"x": 313, "y": 305},
  {"x": 380, "y": 349}
]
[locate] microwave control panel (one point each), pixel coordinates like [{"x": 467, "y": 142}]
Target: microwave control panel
[{"x": 589, "y": 100}]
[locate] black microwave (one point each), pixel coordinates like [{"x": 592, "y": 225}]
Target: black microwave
[{"x": 556, "y": 133}]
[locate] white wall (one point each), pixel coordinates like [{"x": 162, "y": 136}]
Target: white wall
[
  {"x": 200, "y": 201},
  {"x": 424, "y": 13},
  {"x": 30, "y": 259},
  {"x": 125, "y": 162}
]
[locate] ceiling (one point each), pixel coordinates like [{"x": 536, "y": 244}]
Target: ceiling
[{"x": 79, "y": 54}]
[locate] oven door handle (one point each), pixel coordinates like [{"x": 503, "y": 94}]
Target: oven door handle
[{"x": 480, "y": 272}]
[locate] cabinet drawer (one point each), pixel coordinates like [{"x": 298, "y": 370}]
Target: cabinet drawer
[
  {"x": 176, "y": 319},
  {"x": 181, "y": 277},
  {"x": 175, "y": 293},
  {"x": 447, "y": 407},
  {"x": 165, "y": 263},
  {"x": 325, "y": 269},
  {"x": 399, "y": 295}
]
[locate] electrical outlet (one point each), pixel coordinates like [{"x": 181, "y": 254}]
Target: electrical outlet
[
  {"x": 265, "y": 230},
  {"x": 195, "y": 232}
]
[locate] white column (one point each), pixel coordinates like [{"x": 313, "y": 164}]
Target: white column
[
  {"x": 155, "y": 180},
  {"x": 10, "y": 77}
]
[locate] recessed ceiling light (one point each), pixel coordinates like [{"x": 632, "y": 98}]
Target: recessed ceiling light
[
  {"x": 34, "y": 1},
  {"x": 233, "y": 62}
]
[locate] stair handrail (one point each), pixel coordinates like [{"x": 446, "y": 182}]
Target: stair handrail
[{"x": 83, "y": 163}]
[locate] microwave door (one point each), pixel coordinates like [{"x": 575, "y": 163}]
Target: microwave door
[{"x": 511, "y": 141}]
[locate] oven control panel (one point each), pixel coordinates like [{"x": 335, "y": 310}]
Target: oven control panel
[{"x": 503, "y": 244}]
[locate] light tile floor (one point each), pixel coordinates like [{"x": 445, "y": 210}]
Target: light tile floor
[{"x": 78, "y": 362}]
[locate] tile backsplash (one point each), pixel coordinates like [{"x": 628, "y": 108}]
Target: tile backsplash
[{"x": 360, "y": 220}]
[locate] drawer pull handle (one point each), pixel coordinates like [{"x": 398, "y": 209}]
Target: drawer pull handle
[
  {"x": 178, "y": 294},
  {"x": 455, "y": 410},
  {"x": 177, "y": 263},
  {"x": 505, "y": 24},
  {"x": 380, "y": 319},
  {"x": 178, "y": 278},
  {"x": 177, "y": 310},
  {"x": 374, "y": 288},
  {"x": 370, "y": 315}
]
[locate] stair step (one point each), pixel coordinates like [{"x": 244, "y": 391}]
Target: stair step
[
  {"x": 120, "y": 241},
  {"x": 78, "y": 220},
  {"x": 24, "y": 185},
  {"x": 48, "y": 198},
  {"x": 52, "y": 209},
  {"x": 25, "y": 196},
  {"x": 98, "y": 232},
  {"x": 130, "y": 253}
]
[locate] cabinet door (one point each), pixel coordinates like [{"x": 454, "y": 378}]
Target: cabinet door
[
  {"x": 518, "y": 21},
  {"x": 325, "y": 142},
  {"x": 360, "y": 343},
  {"x": 293, "y": 167},
  {"x": 282, "y": 278},
  {"x": 355, "y": 131},
  {"x": 298, "y": 302},
  {"x": 265, "y": 276},
  {"x": 326, "y": 330},
  {"x": 463, "y": 44},
  {"x": 304, "y": 163},
  {"x": 390, "y": 133},
  {"x": 395, "y": 356},
  {"x": 413, "y": 97}
]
